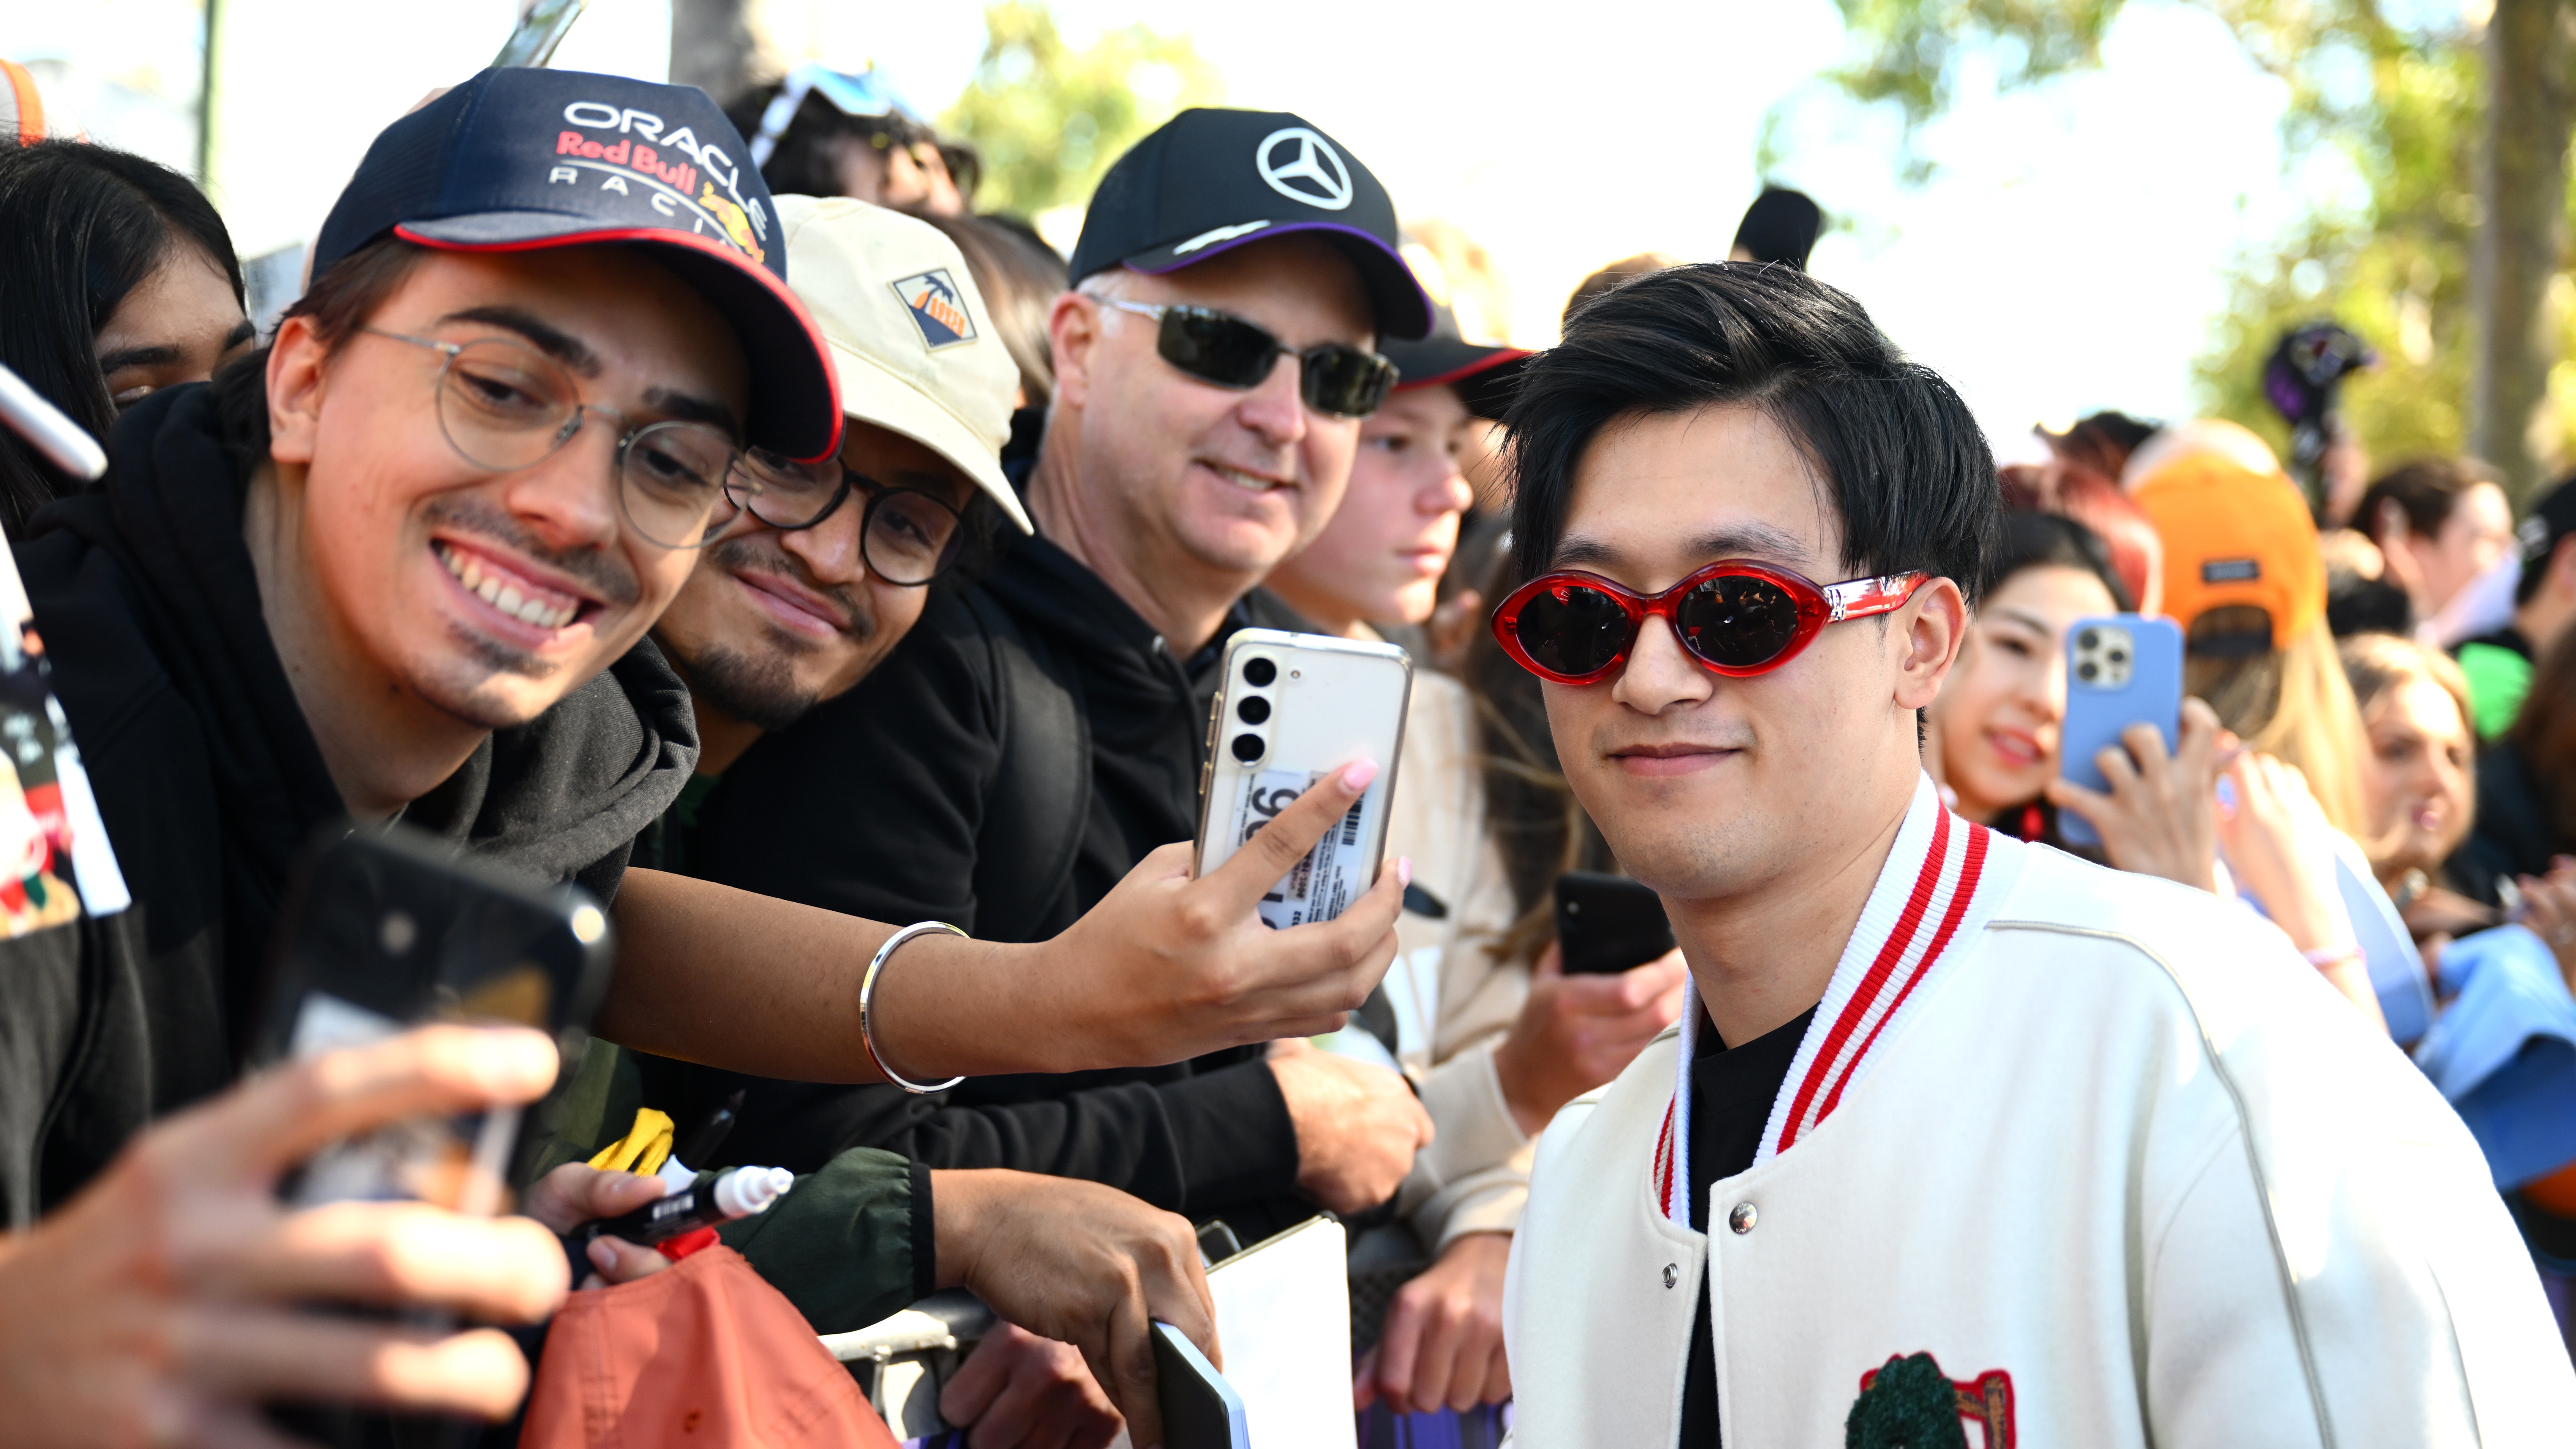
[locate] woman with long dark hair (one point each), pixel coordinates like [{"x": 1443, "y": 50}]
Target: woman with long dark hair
[{"x": 117, "y": 279}]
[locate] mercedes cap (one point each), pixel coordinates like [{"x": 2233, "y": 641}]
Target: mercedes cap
[
  {"x": 519, "y": 159},
  {"x": 1207, "y": 181}
]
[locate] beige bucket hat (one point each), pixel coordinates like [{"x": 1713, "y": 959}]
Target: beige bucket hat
[{"x": 908, "y": 332}]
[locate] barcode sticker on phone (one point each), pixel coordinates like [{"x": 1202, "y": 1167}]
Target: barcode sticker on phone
[{"x": 1331, "y": 875}]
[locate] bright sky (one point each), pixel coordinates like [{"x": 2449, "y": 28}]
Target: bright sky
[{"x": 2067, "y": 254}]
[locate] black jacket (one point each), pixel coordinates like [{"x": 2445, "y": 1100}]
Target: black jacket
[
  {"x": 895, "y": 801},
  {"x": 2516, "y": 831},
  {"x": 209, "y": 783}
]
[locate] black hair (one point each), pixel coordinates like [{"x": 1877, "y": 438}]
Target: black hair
[
  {"x": 1908, "y": 467},
  {"x": 81, "y": 226},
  {"x": 339, "y": 302},
  {"x": 803, "y": 161},
  {"x": 2425, "y": 490},
  {"x": 2051, "y": 540}
]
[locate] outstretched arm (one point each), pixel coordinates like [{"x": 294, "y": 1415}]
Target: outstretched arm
[{"x": 1165, "y": 968}]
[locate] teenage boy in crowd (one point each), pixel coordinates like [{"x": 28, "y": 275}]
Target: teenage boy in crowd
[
  {"x": 399, "y": 565},
  {"x": 1043, "y": 731},
  {"x": 1958, "y": 1128}
]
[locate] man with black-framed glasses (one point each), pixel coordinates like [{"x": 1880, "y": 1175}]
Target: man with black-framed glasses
[
  {"x": 1042, "y": 731},
  {"x": 815, "y": 570}
]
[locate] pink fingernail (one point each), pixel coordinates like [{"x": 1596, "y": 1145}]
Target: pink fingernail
[
  {"x": 1404, "y": 869},
  {"x": 1357, "y": 774}
]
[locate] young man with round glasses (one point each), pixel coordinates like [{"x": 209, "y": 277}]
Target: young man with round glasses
[
  {"x": 400, "y": 565},
  {"x": 1041, "y": 732},
  {"x": 1957, "y": 1131}
]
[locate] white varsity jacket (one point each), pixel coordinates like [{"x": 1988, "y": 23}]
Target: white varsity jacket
[{"x": 2067, "y": 1157}]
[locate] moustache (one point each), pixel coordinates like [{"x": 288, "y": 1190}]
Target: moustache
[
  {"x": 758, "y": 552},
  {"x": 607, "y": 574}
]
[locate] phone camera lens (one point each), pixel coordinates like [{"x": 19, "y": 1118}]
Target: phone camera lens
[
  {"x": 1259, "y": 671},
  {"x": 2087, "y": 670},
  {"x": 2088, "y": 640},
  {"x": 397, "y": 933},
  {"x": 1253, "y": 710},
  {"x": 2119, "y": 656},
  {"x": 1247, "y": 748}
]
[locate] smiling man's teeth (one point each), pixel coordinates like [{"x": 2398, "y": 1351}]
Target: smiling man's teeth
[
  {"x": 1246, "y": 481},
  {"x": 504, "y": 597}
]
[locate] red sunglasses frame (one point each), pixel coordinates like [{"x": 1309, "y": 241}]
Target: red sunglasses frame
[{"x": 1817, "y": 606}]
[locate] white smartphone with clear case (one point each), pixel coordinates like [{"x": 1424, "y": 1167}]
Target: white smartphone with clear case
[{"x": 1292, "y": 709}]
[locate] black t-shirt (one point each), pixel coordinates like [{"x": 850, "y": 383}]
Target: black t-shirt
[{"x": 1731, "y": 1097}]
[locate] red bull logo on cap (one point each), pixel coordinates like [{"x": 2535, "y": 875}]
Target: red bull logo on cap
[{"x": 937, "y": 308}]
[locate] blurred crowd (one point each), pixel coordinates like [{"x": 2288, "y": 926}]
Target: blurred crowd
[{"x": 948, "y": 657}]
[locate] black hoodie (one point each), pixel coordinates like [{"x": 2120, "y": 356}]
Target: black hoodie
[
  {"x": 209, "y": 783},
  {"x": 876, "y": 804}
]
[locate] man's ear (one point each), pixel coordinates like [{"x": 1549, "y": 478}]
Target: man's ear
[
  {"x": 1930, "y": 629},
  {"x": 295, "y": 387},
  {"x": 1073, "y": 338}
]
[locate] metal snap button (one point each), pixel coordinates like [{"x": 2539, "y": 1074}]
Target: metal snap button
[
  {"x": 1672, "y": 1274},
  {"x": 1743, "y": 1218}
]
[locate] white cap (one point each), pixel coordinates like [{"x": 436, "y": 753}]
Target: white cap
[
  {"x": 909, "y": 334},
  {"x": 748, "y": 1190}
]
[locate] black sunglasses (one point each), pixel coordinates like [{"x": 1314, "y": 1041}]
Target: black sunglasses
[{"x": 1217, "y": 347}]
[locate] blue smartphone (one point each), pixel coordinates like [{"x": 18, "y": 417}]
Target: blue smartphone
[{"x": 2121, "y": 670}]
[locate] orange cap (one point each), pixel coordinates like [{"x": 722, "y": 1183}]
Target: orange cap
[{"x": 2235, "y": 536}]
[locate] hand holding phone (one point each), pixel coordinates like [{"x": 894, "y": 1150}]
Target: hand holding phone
[
  {"x": 2160, "y": 815},
  {"x": 388, "y": 929},
  {"x": 1293, "y": 708},
  {"x": 186, "y": 1227},
  {"x": 2121, "y": 670}
]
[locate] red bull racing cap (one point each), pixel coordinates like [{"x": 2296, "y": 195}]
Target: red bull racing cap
[
  {"x": 1207, "y": 181},
  {"x": 519, "y": 159}
]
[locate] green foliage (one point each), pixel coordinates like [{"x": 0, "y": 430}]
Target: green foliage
[
  {"x": 2398, "y": 276},
  {"x": 2403, "y": 106},
  {"x": 1049, "y": 119},
  {"x": 1910, "y": 48}
]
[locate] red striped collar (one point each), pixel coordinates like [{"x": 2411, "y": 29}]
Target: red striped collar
[{"x": 1942, "y": 879}]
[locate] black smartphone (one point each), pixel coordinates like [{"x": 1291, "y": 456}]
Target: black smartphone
[
  {"x": 1200, "y": 1409},
  {"x": 386, "y": 929},
  {"x": 1608, "y": 923}
]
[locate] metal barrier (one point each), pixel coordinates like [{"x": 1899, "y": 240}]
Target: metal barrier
[{"x": 903, "y": 1361}]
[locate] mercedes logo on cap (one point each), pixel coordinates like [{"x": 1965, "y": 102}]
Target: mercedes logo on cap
[{"x": 1303, "y": 166}]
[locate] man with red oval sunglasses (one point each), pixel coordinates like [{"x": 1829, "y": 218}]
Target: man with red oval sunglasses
[{"x": 1955, "y": 1129}]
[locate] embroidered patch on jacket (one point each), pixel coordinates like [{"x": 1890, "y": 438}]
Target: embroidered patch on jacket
[
  {"x": 1909, "y": 1403},
  {"x": 937, "y": 308}
]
